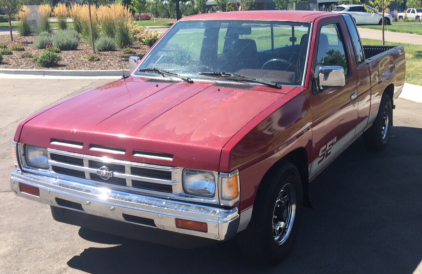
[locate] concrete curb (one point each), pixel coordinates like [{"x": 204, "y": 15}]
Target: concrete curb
[{"x": 60, "y": 74}]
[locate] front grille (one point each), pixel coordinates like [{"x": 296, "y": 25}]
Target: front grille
[
  {"x": 165, "y": 175},
  {"x": 130, "y": 175},
  {"x": 68, "y": 171}
]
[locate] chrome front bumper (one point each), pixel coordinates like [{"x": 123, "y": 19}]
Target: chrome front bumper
[{"x": 222, "y": 223}]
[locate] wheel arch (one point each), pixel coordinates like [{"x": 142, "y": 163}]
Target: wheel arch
[{"x": 299, "y": 158}]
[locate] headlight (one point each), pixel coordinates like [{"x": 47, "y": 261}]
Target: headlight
[
  {"x": 36, "y": 156},
  {"x": 201, "y": 183}
]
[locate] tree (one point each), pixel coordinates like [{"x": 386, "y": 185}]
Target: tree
[
  {"x": 414, "y": 4},
  {"x": 177, "y": 2},
  {"x": 380, "y": 4},
  {"x": 10, "y": 7},
  {"x": 286, "y": 4},
  {"x": 138, "y": 6},
  {"x": 221, "y": 4},
  {"x": 201, "y": 5},
  {"x": 248, "y": 4}
]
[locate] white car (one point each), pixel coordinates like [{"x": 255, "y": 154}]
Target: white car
[
  {"x": 363, "y": 16},
  {"x": 412, "y": 14}
]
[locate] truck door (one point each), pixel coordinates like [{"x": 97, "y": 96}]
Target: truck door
[
  {"x": 334, "y": 113},
  {"x": 363, "y": 87}
]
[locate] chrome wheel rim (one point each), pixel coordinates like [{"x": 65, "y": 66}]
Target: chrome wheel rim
[
  {"x": 385, "y": 124},
  {"x": 284, "y": 213}
]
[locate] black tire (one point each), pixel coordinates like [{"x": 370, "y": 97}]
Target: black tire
[
  {"x": 387, "y": 21},
  {"x": 376, "y": 137},
  {"x": 280, "y": 195},
  {"x": 418, "y": 19},
  {"x": 400, "y": 19}
]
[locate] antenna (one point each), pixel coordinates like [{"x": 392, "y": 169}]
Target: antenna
[{"x": 115, "y": 18}]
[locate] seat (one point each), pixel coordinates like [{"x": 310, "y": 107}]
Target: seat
[{"x": 242, "y": 54}]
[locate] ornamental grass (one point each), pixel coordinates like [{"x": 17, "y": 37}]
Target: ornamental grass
[
  {"x": 44, "y": 12},
  {"x": 24, "y": 28},
  {"x": 61, "y": 12}
]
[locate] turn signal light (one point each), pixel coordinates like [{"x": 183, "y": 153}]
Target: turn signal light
[
  {"x": 29, "y": 189},
  {"x": 192, "y": 225}
]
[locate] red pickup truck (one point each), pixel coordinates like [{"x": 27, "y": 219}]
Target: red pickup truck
[{"x": 216, "y": 133}]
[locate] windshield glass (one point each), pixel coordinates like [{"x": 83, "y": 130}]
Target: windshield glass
[
  {"x": 338, "y": 9},
  {"x": 268, "y": 51}
]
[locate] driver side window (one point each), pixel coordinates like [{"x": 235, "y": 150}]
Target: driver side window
[{"x": 331, "y": 50}]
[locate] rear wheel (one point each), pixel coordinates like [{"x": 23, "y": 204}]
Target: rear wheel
[
  {"x": 386, "y": 21},
  {"x": 376, "y": 137},
  {"x": 275, "y": 219}
]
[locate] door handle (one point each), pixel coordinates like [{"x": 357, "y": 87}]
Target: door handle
[{"x": 353, "y": 96}]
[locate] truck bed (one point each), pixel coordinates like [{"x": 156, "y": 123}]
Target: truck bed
[{"x": 375, "y": 52}]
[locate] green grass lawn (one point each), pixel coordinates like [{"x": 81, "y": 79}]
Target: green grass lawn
[
  {"x": 413, "y": 59},
  {"x": 6, "y": 24},
  {"x": 399, "y": 27},
  {"x": 151, "y": 23}
]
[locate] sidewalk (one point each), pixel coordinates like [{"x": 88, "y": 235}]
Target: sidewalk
[
  {"x": 412, "y": 93},
  {"x": 395, "y": 37}
]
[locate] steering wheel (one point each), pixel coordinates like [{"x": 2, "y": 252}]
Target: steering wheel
[{"x": 277, "y": 60}]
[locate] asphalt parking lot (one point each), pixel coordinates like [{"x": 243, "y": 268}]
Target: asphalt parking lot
[{"x": 366, "y": 215}]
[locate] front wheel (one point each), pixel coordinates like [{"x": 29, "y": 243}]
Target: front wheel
[
  {"x": 376, "y": 137},
  {"x": 275, "y": 219}
]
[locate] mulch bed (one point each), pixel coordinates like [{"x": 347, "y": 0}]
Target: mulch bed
[{"x": 71, "y": 59}]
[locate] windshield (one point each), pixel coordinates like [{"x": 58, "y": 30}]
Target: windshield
[
  {"x": 338, "y": 9},
  {"x": 268, "y": 51}
]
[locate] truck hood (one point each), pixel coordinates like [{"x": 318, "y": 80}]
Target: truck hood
[{"x": 187, "y": 123}]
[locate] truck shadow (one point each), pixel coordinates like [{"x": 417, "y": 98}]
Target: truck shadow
[{"x": 366, "y": 218}]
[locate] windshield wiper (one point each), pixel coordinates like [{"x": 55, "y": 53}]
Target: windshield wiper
[
  {"x": 238, "y": 77},
  {"x": 165, "y": 72}
]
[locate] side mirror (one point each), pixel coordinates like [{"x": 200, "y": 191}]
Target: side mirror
[
  {"x": 133, "y": 62},
  {"x": 331, "y": 76}
]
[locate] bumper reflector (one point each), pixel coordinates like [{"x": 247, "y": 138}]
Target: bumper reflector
[
  {"x": 29, "y": 189},
  {"x": 192, "y": 225}
]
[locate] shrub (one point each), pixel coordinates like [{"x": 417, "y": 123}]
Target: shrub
[
  {"x": 66, "y": 40},
  {"x": 18, "y": 48},
  {"x": 60, "y": 11},
  {"x": 150, "y": 38},
  {"x": 43, "y": 41},
  {"x": 53, "y": 49},
  {"x": 1, "y": 58},
  {"x": 105, "y": 44},
  {"x": 26, "y": 55},
  {"x": 144, "y": 35},
  {"x": 406, "y": 19},
  {"x": 24, "y": 28},
  {"x": 3, "y": 46},
  {"x": 123, "y": 37},
  {"x": 395, "y": 19},
  {"x": 93, "y": 58},
  {"x": 44, "y": 12},
  {"x": 6, "y": 52},
  {"x": 128, "y": 51},
  {"x": 48, "y": 59}
]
